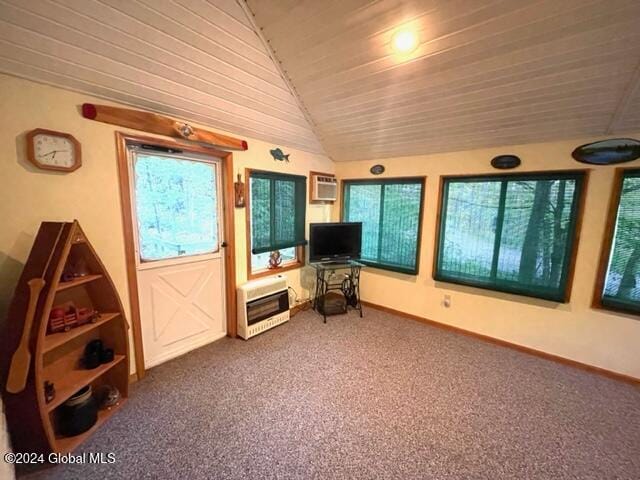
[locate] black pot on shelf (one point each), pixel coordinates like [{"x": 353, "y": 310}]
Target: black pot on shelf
[{"x": 79, "y": 413}]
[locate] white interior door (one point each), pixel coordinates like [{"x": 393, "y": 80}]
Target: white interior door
[{"x": 177, "y": 211}]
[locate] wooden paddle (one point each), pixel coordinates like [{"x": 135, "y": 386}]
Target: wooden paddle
[
  {"x": 154, "y": 123},
  {"x": 21, "y": 359}
]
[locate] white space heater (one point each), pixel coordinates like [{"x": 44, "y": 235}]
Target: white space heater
[
  {"x": 325, "y": 188},
  {"x": 262, "y": 304}
]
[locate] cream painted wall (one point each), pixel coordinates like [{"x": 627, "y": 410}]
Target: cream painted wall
[
  {"x": 573, "y": 330},
  {"x": 91, "y": 194}
]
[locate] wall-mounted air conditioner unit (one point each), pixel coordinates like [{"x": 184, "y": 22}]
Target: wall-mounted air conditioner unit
[{"x": 324, "y": 187}]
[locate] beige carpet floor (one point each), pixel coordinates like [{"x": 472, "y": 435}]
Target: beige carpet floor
[{"x": 378, "y": 397}]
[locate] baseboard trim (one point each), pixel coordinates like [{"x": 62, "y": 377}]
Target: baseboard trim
[
  {"x": 133, "y": 378},
  {"x": 299, "y": 307},
  {"x": 531, "y": 351}
]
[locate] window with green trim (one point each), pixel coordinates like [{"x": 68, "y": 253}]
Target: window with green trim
[
  {"x": 621, "y": 286},
  {"x": 391, "y": 214},
  {"x": 512, "y": 233},
  {"x": 277, "y": 206}
]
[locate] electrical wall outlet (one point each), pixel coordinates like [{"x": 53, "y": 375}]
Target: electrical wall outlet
[{"x": 447, "y": 301}]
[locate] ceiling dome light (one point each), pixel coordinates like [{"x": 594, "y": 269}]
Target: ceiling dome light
[{"x": 404, "y": 41}]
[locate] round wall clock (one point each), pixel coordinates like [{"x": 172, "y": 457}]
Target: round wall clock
[{"x": 51, "y": 150}]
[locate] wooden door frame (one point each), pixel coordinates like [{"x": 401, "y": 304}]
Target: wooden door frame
[{"x": 122, "y": 140}]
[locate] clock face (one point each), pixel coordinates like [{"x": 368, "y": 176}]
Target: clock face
[{"x": 53, "y": 150}]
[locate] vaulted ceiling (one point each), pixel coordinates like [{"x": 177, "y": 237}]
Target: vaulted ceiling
[
  {"x": 485, "y": 73},
  {"x": 320, "y": 75},
  {"x": 194, "y": 59}
]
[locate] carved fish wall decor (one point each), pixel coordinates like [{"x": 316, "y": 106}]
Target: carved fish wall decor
[{"x": 278, "y": 154}]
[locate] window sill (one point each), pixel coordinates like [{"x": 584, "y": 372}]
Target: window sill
[
  {"x": 552, "y": 297},
  {"x": 612, "y": 307},
  {"x": 389, "y": 268},
  {"x": 275, "y": 271}
]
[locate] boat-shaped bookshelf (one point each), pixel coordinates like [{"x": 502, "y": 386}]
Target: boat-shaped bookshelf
[{"x": 73, "y": 275}]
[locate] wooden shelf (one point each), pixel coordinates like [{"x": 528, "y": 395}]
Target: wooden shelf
[
  {"x": 57, "y": 357},
  {"x": 54, "y": 340},
  {"x": 67, "y": 444},
  {"x": 74, "y": 380},
  {"x": 77, "y": 281}
]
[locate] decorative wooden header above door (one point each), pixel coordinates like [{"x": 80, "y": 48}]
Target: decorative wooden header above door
[{"x": 158, "y": 124}]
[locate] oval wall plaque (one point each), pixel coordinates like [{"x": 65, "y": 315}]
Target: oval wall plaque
[
  {"x": 504, "y": 162},
  {"x": 608, "y": 152},
  {"x": 377, "y": 169}
]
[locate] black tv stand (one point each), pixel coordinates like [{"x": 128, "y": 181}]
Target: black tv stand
[{"x": 347, "y": 283}]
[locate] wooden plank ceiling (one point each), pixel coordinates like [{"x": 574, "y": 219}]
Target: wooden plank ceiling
[
  {"x": 193, "y": 59},
  {"x": 486, "y": 72}
]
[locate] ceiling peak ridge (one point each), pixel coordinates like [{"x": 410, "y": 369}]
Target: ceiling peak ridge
[
  {"x": 625, "y": 101},
  {"x": 285, "y": 77}
]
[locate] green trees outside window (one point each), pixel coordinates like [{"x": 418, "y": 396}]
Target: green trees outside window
[
  {"x": 621, "y": 286},
  {"x": 510, "y": 233},
  {"x": 278, "y": 208},
  {"x": 391, "y": 214},
  {"x": 176, "y": 207}
]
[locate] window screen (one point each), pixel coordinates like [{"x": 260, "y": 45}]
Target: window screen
[
  {"x": 278, "y": 207},
  {"x": 510, "y": 233},
  {"x": 622, "y": 280},
  {"x": 390, "y": 212}
]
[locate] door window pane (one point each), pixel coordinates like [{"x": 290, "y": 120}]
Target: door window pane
[{"x": 176, "y": 207}]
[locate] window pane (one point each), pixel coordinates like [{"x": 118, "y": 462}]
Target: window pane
[
  {"x": 517, "y": 213},
  {"x": 278, "y": 209},
  {"x": 260, "y": 211},
  {"x": 390, "y": 214},
  {"x": 400, "y": 222},
  {"x": 537, "y": 217},
  {"x": 364, "y": 206},
  {"x": 622, "y": 281},
  {"x": 470, "y": 225},
  {"x": 285, "y": 211},
  {"x": 176, "y": 207},
  {"x": 260, "y": 261},
  {"x": 512, "y": 234}
]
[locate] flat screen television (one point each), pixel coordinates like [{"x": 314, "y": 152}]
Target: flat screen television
[{"x": 335, "y": 241}]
